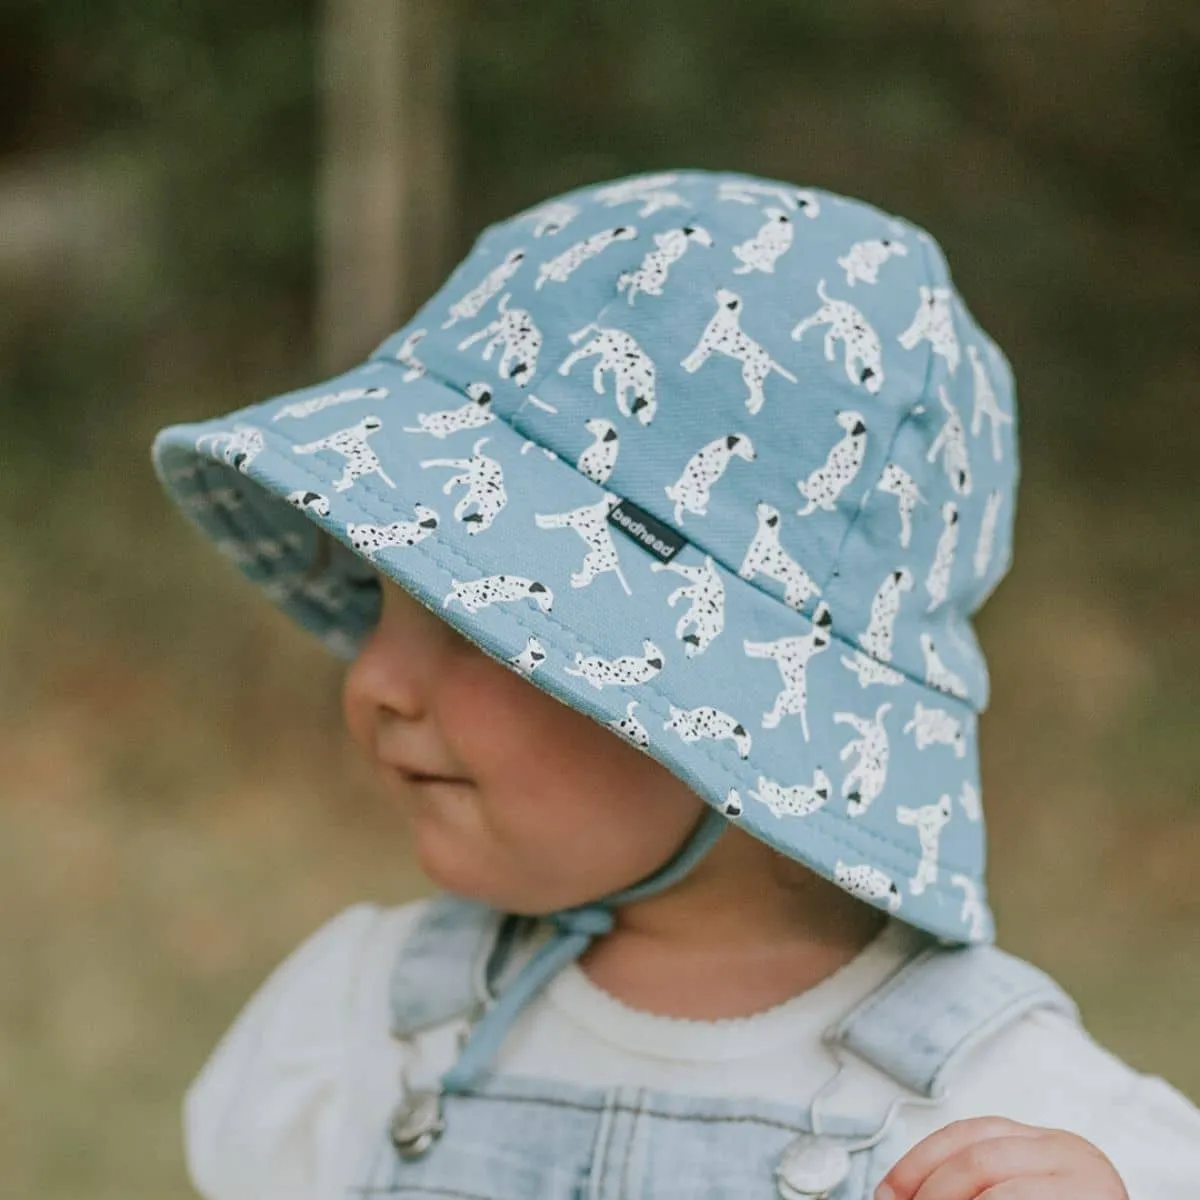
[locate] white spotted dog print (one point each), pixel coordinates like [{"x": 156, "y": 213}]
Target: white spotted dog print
[
  {"x": 773, "y": 240},
  {"x": 238, "y": 446},
  {"x": 369, "y": 540},
  {"x": 792, "y": 655},
  {"x": 766, "y": 556},
  {"x": 671, "y": 245},
  {"x": 867, "y": 883},
  {"x": 937, "y": 582},
  {"x": 651, "y": 192},
  {"x": 184, "y": 474},
  {"x": 870, "y": 671},
  {"x": 744, "y": 191},
  {"x": 281, "y": 589},
  {"x": 476, "y": 413},
  {"x": 474, "y": 594},
  {"x": 986, "y": 404},
  {"x": 876, "y": 639},
  {"x": 484, "y": 480},
  {"x": 929, "y": 822},
  {"x": 631, "y": 366},
  {"x": 934, "y": 323},
  {"x": 330, "y": 593},
  {"x": 351, "y": 443},
  {"x": 937, "y": 674},
  {"x": 863, "y": 260},
  {"x": 692, "y": 724},
  {"x": 951, "y": 444},
  {"x": 896, "y": 481},
  {"x": 530, "y": 658},
  {"x": 522, "y": 341},
  {"x": 314, "y": 404},
  {"x": 225, "y": 498},
  {"x": 312, "y": 502},
  {"x": 732, "y": 806},
  {"x": 625, "y": 671},
  {"x": 406, "y": 356},
  {"x": 630, "y": 728},
  {"x": 599, "y": 458},
  {"x": 936, "y": 727},
  {"x": 591, "y": 523},
  {"x": 972, "y": 913},
  {"x": 823, "y": 487},
  {"x": 340, "y": 644},
  {"x": 527, "y": 445},
  {"x": 477, "y": 299},
  {"x": 562, "y": 267},
  {"x": 968, "y": 797},
  {"x": 552, "y": 217},
  {"x": 691, "y": 490},
  {"x": 864, "y": 351},
  {"x": 987, "y": 534},
  {"x": 258, "y": 550},
  {"x": 865, "y": 780},
  {"x": 799, "y": 800},
  {"x": 723, "y": 335},
  {"x": 705, "y": 614}
]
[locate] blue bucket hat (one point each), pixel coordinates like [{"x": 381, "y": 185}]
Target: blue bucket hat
[{"x": 722, "y": 462}]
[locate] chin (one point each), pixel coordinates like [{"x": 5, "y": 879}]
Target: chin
[
  {"x": 454, "y": 865},
  {"x": 455, "y": 869}
]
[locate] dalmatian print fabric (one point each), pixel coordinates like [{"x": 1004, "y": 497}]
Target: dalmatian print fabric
[{"x": 811, "y": 444}]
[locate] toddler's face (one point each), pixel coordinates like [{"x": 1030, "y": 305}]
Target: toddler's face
[{"x": 516, "y": 799}]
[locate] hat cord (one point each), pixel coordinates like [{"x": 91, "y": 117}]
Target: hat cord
[{"x": 574, "y": 929}]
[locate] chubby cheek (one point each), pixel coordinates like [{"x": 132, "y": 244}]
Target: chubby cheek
[{"x": 565, "y": 811}]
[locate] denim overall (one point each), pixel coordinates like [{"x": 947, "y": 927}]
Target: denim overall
[{"x": 498, "y": 1137}]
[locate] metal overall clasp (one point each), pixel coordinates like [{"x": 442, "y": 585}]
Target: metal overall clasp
[
  {"x": 814, "y": 1165},
  {"x": 419, "y": 1120},
  {"x": 417, "y": 1123}
]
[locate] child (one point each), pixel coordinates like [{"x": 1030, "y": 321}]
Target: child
[{"x": 652, "y": 542}]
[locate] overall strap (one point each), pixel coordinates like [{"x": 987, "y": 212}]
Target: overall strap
[
  {"x": 441, "y": 971},
  {"x": 941, "y": 1003}
]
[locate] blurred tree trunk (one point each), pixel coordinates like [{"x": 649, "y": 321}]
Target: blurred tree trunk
[
  {"x": 384, "y": 202},
  {"x": 432, "y": 208}
]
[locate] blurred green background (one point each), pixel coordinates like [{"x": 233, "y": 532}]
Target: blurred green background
[{"x": 206, "y": 202}]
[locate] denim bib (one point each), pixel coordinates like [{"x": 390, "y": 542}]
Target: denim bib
[{"x": 505, "y": 1137}]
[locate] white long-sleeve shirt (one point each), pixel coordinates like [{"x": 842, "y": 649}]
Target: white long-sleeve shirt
[{"x": 302, "y": 1084}]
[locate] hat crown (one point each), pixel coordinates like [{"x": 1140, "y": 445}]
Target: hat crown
[
  {"x": 836, "y": 426},
  {"x": 732, "y": 466}
]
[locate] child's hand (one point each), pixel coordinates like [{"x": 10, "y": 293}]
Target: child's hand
[{"x": 991, "y": 1158}]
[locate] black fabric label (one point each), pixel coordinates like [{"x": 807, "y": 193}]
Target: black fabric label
[{"x": 648, "y": 531}]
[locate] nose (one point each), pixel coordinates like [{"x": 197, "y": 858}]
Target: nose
[{"x": 395, "y": 676}]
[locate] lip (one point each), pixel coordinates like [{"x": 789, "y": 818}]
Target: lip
[{"x": 422, "y": 778}]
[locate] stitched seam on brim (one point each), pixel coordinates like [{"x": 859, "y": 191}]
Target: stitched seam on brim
[
  {"x": 853, "y": 647},
  {"x": 700, "y": 748}
]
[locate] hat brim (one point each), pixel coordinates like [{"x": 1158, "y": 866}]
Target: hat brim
[{"x": 689, "y": 693}]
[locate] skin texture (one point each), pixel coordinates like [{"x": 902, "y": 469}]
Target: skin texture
[
  {"x": 547, "y": 804},
  {"x": 536, "y": 807},
  {"x": 548, "y": 810},
  {"x": 992, "y": 1158}
]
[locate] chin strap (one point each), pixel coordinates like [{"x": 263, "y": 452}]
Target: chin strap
[{"x": 574, "y": 929}]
